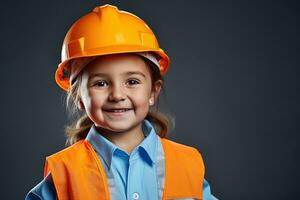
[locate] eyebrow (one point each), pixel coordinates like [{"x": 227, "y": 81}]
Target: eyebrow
[{"x": 126, "y": 73}]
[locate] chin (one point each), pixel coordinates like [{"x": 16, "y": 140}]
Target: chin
[{"x": 122, "y": 126}]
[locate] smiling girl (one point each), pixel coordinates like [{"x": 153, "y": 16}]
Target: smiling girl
[
  {"x": 112, "y": 70},
  {"x": 116, "y": 91}
]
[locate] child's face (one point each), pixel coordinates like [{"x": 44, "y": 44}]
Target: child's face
[{"x": 120, "y": 81}]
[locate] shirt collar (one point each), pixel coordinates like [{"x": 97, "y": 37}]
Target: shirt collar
[{"x": 106, "y": 148}]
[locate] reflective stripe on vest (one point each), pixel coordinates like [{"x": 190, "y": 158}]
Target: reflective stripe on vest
[{"x": 78, "y": 174}]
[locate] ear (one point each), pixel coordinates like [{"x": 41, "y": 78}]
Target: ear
[
  {"x": 155, "y": 92},
  {"x": 80, "y": 105}
]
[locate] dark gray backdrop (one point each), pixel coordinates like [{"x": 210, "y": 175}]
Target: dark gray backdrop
[{"x": 232, "y": 85}]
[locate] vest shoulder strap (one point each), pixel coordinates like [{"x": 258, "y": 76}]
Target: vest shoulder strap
[
  {"x": 184, "y": 171},
  {"x": 76, "y": 174}
]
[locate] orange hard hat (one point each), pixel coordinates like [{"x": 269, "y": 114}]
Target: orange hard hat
[{"x": 107, "y": 30}]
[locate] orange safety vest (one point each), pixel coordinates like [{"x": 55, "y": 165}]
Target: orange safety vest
[{"x": 78, "y": 174}]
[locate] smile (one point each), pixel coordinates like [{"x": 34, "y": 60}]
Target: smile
[{"x": 117, "y": 112}]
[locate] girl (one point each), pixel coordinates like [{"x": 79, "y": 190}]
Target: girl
[{"x": 112, "y": 69}]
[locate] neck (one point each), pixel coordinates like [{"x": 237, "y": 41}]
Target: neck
[{"x": 127, "y": 140}]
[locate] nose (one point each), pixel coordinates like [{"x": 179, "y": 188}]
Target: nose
[{"x": 116, "y": 94}]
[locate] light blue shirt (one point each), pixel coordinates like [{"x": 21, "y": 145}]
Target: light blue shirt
[{"x": 139, "y": 175}]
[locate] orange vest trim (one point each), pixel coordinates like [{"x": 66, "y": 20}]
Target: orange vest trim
[{"x": 78, "y": 173}]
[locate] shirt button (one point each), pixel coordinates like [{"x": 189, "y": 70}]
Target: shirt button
[{"x": 135, "y": 195}]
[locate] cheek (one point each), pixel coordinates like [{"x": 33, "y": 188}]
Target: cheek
[
  {"x": 94, "y": 109},
  {"x": 94, "y": 101},
  {"x": 141, "y": 98},
  {"x": 97, "y": 100}
]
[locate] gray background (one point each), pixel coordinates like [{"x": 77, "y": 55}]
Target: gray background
[{"x": 232, "y": 85}]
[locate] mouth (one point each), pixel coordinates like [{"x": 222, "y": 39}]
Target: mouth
[{"x": 117, "y": 110}]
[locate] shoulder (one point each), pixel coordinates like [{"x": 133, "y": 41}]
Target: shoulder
[
  {"x": 65, "y": 157},
  {"x": 180, "y": 147},
  {"x": 44, "y": 190},
  {"x": 68, "y": 151},
  {"x": 183, "y": 152}
]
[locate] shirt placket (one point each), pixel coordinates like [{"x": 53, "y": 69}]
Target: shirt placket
[{"x": 133, "y": 192}]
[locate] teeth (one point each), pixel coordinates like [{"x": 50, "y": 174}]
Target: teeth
[{"x": 119, "y": 110}]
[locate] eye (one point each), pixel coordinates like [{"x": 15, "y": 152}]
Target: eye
[
  {"x": 133, "y": 82},
  {"x": 101, "y": 83}
]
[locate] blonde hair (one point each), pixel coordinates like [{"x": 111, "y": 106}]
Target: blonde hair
[{"x": 79, "y": 128}]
